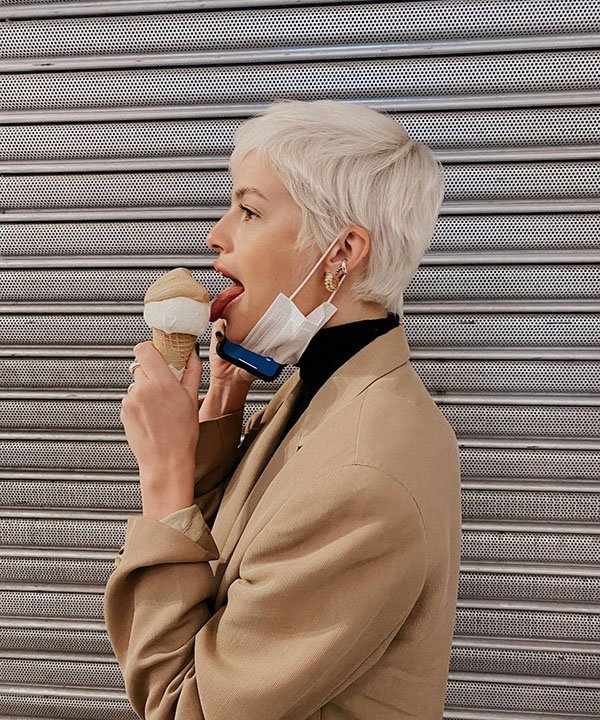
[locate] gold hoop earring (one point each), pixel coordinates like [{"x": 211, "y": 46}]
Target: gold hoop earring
[{"x": 331, "y": 281}]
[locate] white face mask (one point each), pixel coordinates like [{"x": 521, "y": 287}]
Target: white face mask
[{"x": 283, "y": 332}]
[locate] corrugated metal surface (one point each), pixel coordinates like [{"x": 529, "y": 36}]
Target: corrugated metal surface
[{"x": 117, "y": 121}]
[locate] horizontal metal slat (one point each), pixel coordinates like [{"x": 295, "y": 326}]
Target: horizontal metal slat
[
  {"x": 101, "y": 534},
  {"x": 445, "y": 330},
  {"x": 502, "y": 622},
  {"x": 62, "y": 637},
  {"x": 531, "y": 697},
  {"x": 76, "y": 602},
  {"x": 405, "y": 103},
  {"x": 502, "y": 586},
  {"x": 491, "y": 181},
  {"x": 430, "y": 283},
  {"x": 107, "y": 374},
  {"x": 443, "y": 131},
  {"x": 278, "y": 27},
  {"x": 317, "y": 52},
  {"x": 504, "y": 544},
  {"x": 431, "y": 331},
  {"x": 480, "y": 354},
  {"x": 309, "y": 52},
  {"x": 64, "y": 674},
  {"x": 473, "y": 621},
  {"x": 30, "y": 567},
  {"x": 60, "y": 703},
  {"x": 478, "y": 504},
  {"x": 447, "y": 375},
  {"x": 504, "y": 281},
  {"x": 411, "y": 307},
  {"x": 439, "y": 376},
  {"x": 82, "y": 8},
  {"x": 479, "y": 714},
  {"x": 455, "y": 75},
  {"x": 189, "y": 162},
  {"x": 83, "y": 637},
  {"x": 454, "y": 233},
  {"x": 107, "y": 675},
  {"x": 508, "y": 420},
  {"x": 531, "y": 505},
  {"x": 475, "y": 461},
  {"x": 55, "y": 604},
  {"x": 88, "y": 495},
  {"x": 161, "y": 214},
  {"x": 538, "y": 547},
  {"x": 467, "y": 420},
  {"x": 521, "y": 463}
]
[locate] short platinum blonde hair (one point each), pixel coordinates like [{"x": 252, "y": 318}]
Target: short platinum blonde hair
[{"x": 347, "y": 164}]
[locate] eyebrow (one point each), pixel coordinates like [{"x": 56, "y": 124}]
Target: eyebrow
[{"x": 239, "y": 194}]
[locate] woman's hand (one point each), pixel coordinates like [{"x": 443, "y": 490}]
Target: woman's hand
[
  {"x": 223, "y": 373},
  {"x": 229, "y": 384},
  {"x": 160, "y": 417}
]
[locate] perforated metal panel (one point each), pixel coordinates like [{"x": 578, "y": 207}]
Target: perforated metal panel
[{"x": 118, "y": 121}]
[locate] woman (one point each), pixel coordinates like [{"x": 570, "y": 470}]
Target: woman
[{"x": 310, "y": 572}]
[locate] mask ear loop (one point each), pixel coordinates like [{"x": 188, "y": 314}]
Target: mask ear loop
[{"x": 316, "y": 265}]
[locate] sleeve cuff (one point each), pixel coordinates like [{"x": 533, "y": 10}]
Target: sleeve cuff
[{"x": 188, "y": 521}]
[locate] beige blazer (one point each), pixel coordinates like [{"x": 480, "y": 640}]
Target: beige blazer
[{"x": 322, "y": 583}]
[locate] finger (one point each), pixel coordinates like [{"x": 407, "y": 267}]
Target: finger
[
  {"x": 152, "y": 364},
  {"x": 218, "y": 330},
  {"x": 192, "y": 375},
  {"x": 133, "y": 367}
]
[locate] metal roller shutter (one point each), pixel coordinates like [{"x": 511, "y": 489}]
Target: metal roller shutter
[{"x": 117, "y": 119}]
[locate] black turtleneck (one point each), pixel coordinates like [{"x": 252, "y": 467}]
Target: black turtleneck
[{"x": 329, "y": 349}]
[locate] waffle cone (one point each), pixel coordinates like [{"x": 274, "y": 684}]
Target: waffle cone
[{"x": 175, "y": 348}]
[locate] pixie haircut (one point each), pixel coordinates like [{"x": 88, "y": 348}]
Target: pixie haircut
[{"x": 347, "y": 164}]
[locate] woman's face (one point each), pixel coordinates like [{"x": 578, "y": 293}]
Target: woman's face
[{"x": 254, "y": 242}]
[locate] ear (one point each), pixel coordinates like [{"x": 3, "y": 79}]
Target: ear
[{"x": 354, "y": 246}]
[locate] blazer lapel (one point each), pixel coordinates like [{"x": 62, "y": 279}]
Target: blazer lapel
[
  {"x": 265, "y": 438},
  {"x": 262, "y": 460}
]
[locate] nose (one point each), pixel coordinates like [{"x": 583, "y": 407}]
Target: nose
[{"x": 218, "y": 239}]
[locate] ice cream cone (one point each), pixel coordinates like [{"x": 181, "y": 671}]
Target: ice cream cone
[
  {"x": 175, "y": 348},
  {"x": 177, "y": 309}
]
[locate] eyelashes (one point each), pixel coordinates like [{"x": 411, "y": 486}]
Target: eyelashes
[{"x": 249, "y": 213}]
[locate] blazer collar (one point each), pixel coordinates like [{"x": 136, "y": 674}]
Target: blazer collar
[{"x": 379, "y": 357}]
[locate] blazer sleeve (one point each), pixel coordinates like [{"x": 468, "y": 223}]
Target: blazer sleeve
[
  {"x": 322, "y": 590},
  {"x": 216, "y": 457}
]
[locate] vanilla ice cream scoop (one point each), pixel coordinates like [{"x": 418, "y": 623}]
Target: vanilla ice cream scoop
[{"x": 177, "y": 308}]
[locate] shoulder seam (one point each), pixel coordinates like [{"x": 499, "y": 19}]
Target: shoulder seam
[{"x": 449, "y": 433}]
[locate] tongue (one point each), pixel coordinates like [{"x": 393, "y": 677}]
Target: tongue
[{"x": 218, "y": 304}]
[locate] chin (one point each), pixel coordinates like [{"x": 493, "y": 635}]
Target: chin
[{"x": 236, "y": 330}]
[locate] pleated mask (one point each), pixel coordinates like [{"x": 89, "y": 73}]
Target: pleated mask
[{"x": 283, "y": 332}]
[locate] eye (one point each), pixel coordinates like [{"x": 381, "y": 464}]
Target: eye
[{"x": 249, "y": 213}]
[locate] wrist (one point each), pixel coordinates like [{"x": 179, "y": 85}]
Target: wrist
[
  {"x": 223, "y": 399},
  {"x": 165, "y": 492}
]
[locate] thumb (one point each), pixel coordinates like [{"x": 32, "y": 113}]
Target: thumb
[{"x": 192, "y": 375}]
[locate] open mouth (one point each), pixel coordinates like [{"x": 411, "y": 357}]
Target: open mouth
[{"x": 223, "y": 299}]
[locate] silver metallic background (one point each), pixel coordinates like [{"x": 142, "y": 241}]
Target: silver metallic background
[{"x": 116, "y": 120}]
